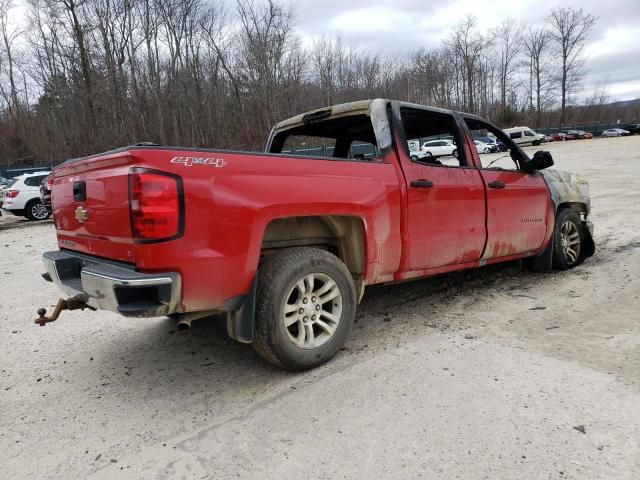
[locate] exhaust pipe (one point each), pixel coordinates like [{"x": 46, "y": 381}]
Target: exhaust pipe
[
  {"x": 184, "y": 324},
  {"x": 183, "y": 320}
]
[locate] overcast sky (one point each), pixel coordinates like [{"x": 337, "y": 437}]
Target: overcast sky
[{"x": 401, "y": 26}]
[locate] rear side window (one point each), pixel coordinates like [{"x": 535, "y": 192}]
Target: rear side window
[
  {"x": 348, "y": 137},
  {"x": 515, "y": 134},
  {"x": 34, "y": 181}
]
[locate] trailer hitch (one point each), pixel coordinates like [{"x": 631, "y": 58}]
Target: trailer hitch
[{"x": 73, "y": 303}]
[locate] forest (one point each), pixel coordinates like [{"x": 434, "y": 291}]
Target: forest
[{"x": 82, "y": 76}]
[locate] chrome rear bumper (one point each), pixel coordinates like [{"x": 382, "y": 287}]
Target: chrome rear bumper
[{"x": 111, "y": 286}]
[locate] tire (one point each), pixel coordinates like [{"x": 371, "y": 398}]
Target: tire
[
  {"x": 414, "y": 157},
  {"x": 428, "y": 155},
  {"x": 35, "y": 210},
  {"x": 568, "y": 235},
  {"x": 290, "y": 279},
  {"x": 455, "y": 153},
  {"x": 535, "y": 143},
  {"x": 486, "y": 150}
]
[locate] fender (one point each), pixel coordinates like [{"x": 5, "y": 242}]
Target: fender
[{"x": 567, "y": 190}]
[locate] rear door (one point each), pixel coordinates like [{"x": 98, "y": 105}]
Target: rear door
[
  {"x": 517, "y": 202},
  {"x": 446, "y": 206}
]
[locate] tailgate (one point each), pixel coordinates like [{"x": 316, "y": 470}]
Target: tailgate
[{"x": 90, "y": 202}]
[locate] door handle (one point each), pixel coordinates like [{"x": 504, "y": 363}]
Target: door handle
[
  {"x": 496, "y": 184},
  {"x": 421, "y": 184}
]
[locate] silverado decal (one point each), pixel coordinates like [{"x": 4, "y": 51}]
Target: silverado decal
[{"x": 189, "y": 161}]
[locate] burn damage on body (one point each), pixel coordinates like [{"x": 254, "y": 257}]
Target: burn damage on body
[
  {"x": 376, "y": 110},
  {"x": 567, "y": 190}
]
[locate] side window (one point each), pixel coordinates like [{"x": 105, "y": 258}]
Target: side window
[
  {"x": 494, "y": 149},
  {"x": 306, "y": 146},
  {"x": 34, "y": 181},
  {"x": 528, "y": 133},
  {"x": 437, "y": 133},
  {"x": 347, "y": 137}
]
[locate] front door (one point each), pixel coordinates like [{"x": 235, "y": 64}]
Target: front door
[{"x": 517, "y": 202}]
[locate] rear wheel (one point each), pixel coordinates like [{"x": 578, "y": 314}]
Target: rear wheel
[
  {"x": 455, "y": 153},
  {"x": 305, "y": 307},
  {"x": 36, "y": 210},
  {"x": 428, "y": 155},
  {"x": 568, "y": 239}
]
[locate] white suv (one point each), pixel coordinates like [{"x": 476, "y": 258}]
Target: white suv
[{"x": 22, "y": 196}]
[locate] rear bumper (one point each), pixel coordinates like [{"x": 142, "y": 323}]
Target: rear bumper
[{"x": 115, "y": 287}]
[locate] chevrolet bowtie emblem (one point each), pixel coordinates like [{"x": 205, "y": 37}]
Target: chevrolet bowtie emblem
[{"x": 82, "y": 214}]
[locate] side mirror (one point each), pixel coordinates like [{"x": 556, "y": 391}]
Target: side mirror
[{"x": 541, "y": 160}]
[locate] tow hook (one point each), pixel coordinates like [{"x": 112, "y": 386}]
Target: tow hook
[{"x": 73, "y": 303}]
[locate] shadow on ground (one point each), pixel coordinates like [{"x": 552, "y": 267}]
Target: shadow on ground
[{"x": 17, "y": 223}]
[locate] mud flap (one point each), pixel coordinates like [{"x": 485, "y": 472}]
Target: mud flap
[
  {"x": 588, "y": 247},
  {"x": 240, "y": 323},
  {"x": 543, "y": 263}
]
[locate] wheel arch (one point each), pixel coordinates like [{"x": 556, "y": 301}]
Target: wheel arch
[{"x": 342, "y": 235}]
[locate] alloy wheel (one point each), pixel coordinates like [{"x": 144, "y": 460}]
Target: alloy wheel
[{"x": 312, "y": 310}]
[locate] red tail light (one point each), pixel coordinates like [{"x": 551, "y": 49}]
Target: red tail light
[
  {"x": 49, "y": 183},
  {"x": 12, "y": 193},
  {"x": 156, "y": 205}
]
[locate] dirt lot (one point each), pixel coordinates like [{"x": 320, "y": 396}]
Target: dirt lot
[{"x": 484, "y": 374}]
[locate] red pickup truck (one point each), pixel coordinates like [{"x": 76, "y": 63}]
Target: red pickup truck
[{"x": 283, "y": 243}]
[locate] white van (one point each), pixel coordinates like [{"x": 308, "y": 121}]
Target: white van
[{"x": 524, "y": 136}]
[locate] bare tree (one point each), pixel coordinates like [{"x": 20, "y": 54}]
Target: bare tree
[
  {"x": 541, "y": 71},
  {"x": 569, "y": 29},
  {"x": 8, "y": 38},
  {"x": 467, "y": 44},
  {"x": 509, "y": 46}
]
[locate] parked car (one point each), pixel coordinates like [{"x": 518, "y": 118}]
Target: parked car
[
  {"x": 482, "y": 147},
  {"x": 566, "y": 135},
  {"x": 22, "y": 197},
  {"x": 548, "y": 138},
  {"x": 438, "y": 148},
  {"x": 578, "y": 134},
  {"x": 284, "y": 246},
  {"x": 4, "y": 182},
  {"x": 615, "y": 132},
  {"x": 492, "y": 142},
  {"x": 524, "y": 136},
  {"x": 633, "y": 128}
]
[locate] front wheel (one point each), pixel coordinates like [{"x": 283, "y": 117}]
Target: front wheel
[
  {"x": 36, "y": 211},
  {"x": 455, "y": 153},
  {"x": 305, "y": 308},
  {"x": 568, "y": 239}
]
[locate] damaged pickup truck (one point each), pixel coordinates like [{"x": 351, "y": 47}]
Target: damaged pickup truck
[{"x": 283, "y": 243}]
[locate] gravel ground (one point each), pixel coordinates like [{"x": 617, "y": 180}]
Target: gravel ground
[{"x": 494, "y": 373}]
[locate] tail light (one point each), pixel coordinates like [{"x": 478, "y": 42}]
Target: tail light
[
  {"x": 49, "y": 183},
  {"x": 12, "y": 193},
  {"x": 156, "y": 203}
]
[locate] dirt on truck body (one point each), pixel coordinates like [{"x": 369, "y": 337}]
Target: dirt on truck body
[{"x": 283, "y": 244}]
